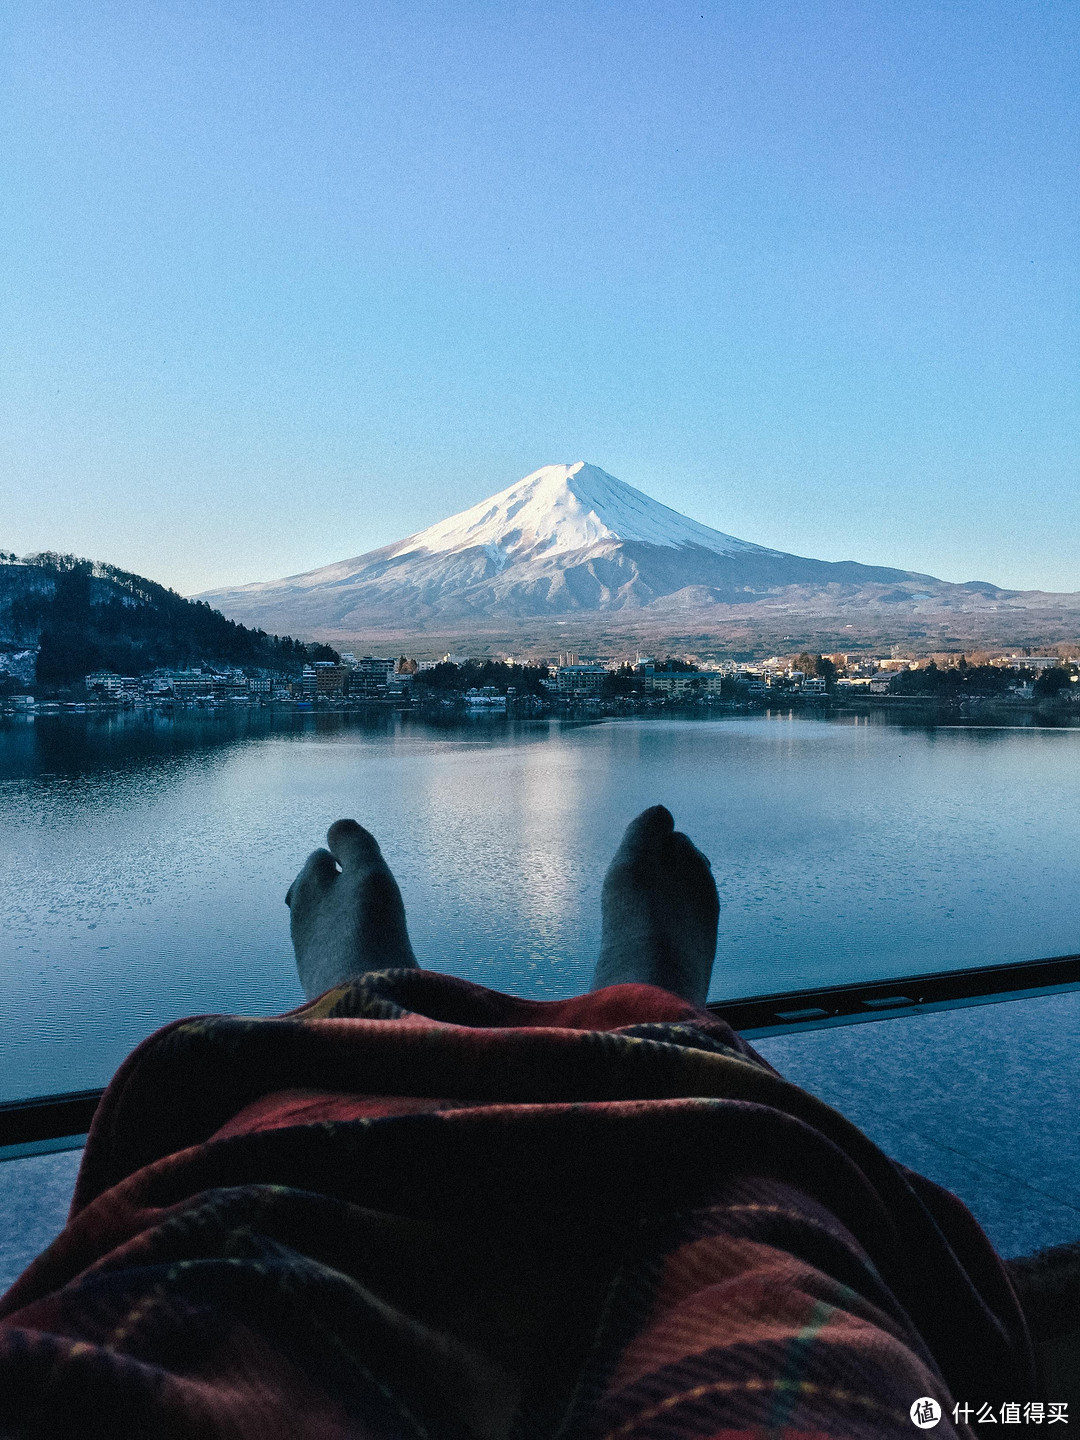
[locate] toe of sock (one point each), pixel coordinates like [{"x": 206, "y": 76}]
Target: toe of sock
[{"x": 352, "y": 844}]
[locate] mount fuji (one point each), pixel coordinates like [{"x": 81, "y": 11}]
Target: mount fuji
[{"x": 572, "y": 543}]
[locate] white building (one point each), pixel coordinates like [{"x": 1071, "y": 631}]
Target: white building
[
  {"x": 684, "y": 682},
  {"x": 372, "y": 675},
  {"x": 106, "y": 680},
  {"x": 580, "y": 679}
]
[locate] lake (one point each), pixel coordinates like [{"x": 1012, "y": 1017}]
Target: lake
[{"x": 146, "y": 857}]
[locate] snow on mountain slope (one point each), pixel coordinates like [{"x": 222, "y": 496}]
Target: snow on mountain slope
[
  {"x": 559, "y": 508},
  {"x": 565, "y": 539}
]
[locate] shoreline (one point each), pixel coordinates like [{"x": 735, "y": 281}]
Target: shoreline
[{"x": 988, "y": 708}]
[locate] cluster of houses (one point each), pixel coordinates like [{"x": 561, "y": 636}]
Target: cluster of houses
[
  {"x": 370, "y": 676},
  {"x": 875, "y": 676},
  {"x": 377, "y": 677},
  {"x": 574, "y": 677},
  {"x": 778, "y": 675}
]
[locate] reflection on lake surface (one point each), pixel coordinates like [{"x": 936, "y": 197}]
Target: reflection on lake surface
[{"x": 146, "y": 858}]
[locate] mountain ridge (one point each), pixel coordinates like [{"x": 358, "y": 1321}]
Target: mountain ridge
[
  {"x": 570, "y": 541},
  {"x": 62, "y": 617}
]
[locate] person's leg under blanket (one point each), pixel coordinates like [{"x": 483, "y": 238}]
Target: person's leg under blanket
[{"x": 417, "y": 1207}]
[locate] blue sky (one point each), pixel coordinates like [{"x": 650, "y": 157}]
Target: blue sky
[{"x": 285, "y": 282}]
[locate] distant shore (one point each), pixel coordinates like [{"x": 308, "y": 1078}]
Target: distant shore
[{"x": 965, "y": 707}]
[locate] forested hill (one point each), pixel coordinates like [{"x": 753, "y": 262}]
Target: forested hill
[{"x": 81, "y": 615}]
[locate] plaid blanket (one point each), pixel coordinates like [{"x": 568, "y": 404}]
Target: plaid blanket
[{"x": 415, "y": 1207}]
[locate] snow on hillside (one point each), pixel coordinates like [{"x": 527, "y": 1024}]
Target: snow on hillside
[{"x": 560, "y": 508}]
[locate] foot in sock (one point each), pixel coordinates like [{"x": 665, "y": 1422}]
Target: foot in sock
[
  {"x": 346, "y": 912},
  {"x": 660, "y": 911}
]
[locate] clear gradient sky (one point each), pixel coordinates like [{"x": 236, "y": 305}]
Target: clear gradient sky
[{"x": 282, "y": 282}]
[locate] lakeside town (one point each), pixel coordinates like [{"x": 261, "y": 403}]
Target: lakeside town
[{"x": 965, "y": 681}]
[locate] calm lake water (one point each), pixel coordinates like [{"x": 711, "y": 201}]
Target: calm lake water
[{"x": 146, "y": 859}]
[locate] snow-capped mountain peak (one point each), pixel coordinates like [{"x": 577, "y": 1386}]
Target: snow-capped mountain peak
[
  {"x": 569, "y": 540},
  {"x": 560, "y": 508}
]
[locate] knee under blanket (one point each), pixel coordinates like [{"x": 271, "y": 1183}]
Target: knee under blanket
[{"x": 415, "y": 1207}]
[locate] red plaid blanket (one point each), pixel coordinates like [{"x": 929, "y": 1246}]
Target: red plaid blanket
[{"x": 419, "y": 1208}]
